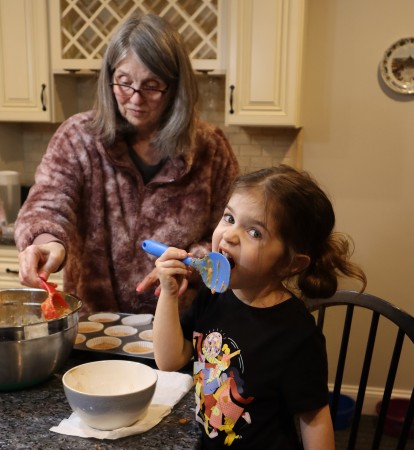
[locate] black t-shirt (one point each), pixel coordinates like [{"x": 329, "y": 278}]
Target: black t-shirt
[{"x": 254, "y": 368}]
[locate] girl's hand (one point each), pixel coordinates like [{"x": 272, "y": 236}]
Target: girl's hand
[
  {"x": 151, "y": 281},
  {"x": 171, "y": 272}
]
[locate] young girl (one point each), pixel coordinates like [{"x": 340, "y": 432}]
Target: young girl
[{"x": 259, "y": 359}]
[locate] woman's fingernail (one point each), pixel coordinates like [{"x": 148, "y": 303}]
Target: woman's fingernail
[{"x": 138, "y": 288}]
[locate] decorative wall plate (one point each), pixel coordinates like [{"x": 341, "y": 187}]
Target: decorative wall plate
[{"x": 397, "y": 66}]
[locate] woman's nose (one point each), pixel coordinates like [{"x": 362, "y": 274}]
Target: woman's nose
[{"x": 137, "y": 97}]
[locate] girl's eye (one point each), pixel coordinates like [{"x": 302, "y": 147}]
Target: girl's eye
[
  {"x": 255, "y": 233},
  {"x": 228, "y": 218}
]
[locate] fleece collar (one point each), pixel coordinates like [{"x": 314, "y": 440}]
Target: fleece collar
[{"x": 173, "y": 169}]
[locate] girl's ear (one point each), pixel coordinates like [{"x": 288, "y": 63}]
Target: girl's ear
[{"x": 300, "y": 263}]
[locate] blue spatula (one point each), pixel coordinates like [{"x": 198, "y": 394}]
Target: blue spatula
[{"x": 214, "y": 268}]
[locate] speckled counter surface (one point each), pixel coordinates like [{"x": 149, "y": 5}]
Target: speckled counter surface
[{"x": 27, "y": 415}]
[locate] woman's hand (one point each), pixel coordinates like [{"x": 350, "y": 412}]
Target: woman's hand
[
  {"x": 40, "y": 259},
  {"x": 150, "y": 281}
]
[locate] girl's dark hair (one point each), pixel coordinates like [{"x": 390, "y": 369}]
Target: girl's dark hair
[
  {"x": 161, "y": 49},
  {"x": 306, "y": 221}
]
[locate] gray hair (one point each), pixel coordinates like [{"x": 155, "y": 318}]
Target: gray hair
[{"x": 161, "y": 49}]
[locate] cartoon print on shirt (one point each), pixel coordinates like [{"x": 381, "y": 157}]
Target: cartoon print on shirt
[{"x": 218, "y": 386}]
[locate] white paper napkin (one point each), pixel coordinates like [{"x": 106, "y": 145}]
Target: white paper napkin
[{"x": 171, "y": 388}]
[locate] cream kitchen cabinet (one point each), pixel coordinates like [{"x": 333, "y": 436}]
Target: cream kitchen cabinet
[
  {"x": 9, "y": 269},
  {"x": 28, "y": 91},
  {"x": 265, "y": 40},
  {"x": 80, "y": 29}
]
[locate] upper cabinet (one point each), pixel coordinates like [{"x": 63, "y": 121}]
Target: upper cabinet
[
  {"x": 28, "y": 92},
  {"x": 24, "y": 60},
  {"x": 81, "y": 29},
  {"x": 265, "y": 42},
  {"x": 258, "y": 43}
]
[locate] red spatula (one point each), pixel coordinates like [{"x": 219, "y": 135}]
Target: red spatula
[{"x": 54, "y": 306}]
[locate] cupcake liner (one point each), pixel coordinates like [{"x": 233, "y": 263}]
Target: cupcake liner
[
  {"x": 103, "y": 343},
  {"x": 138, "y": 347},
  {"x": 80, "y": 338},
  {"x": 137, "y": 320},
  {"x": 146, "y": 335},
  {"x": 120, "y": 331},
  {"x": 89, "y": 327},
  {"x": 104, "y": 317}
]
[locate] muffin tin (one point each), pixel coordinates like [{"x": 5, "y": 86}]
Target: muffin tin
[{"x": 120, "y": 334}]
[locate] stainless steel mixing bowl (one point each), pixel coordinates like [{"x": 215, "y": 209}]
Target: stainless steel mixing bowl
[{"x": 31, "y": 349}]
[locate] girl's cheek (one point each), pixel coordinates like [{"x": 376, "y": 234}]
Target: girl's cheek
[{"x": 215, "y": 240}]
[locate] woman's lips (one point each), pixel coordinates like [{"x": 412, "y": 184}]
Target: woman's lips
[{"x": 136, "y": 112}]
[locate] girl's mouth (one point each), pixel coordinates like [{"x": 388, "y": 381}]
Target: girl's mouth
[{"x": 229, "y": 258}]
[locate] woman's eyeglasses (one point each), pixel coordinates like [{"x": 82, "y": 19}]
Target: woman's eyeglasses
[{"x": 148, "y": 93}]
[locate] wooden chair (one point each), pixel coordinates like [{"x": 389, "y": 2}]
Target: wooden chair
[{"x": 382, "y": 311}]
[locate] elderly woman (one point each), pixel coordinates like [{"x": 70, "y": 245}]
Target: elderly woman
[{"x": 140, "y": 165}]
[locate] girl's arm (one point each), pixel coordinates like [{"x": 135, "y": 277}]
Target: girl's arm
[
  {"x": 171, "y": 350},
  {"x": 316, "y": 429}
]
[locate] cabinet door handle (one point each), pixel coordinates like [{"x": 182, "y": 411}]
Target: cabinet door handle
[
  {"x": 12, "y": 271},
  {"x": 231, "y": 111},
  {"x": 42, "y": 97}
]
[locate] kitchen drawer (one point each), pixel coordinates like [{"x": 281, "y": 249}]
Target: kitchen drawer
[{"x": 9, "y": 269}]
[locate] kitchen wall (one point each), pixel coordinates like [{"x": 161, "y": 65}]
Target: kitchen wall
[
  {"x": 358, "y": 135},
  {"x": 255, "y": 147},
  {"x": 358, "y": 141}
]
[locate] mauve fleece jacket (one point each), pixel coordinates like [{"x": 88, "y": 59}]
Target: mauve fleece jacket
[{"x": 93, "y": 199}]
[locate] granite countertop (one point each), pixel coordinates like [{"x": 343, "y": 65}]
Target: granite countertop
[{"x": 28, "y": 414}]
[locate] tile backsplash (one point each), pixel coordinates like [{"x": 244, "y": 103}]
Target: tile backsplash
[{"x": 255, "y": 147}]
